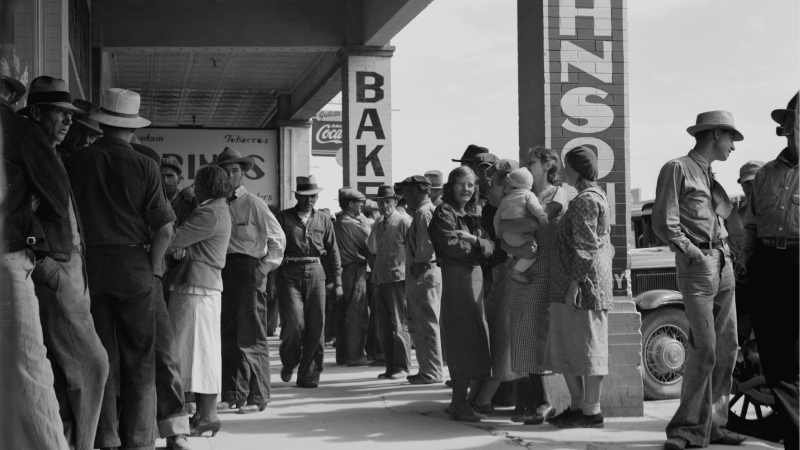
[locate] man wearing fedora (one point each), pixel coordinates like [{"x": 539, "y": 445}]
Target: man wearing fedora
[
  {"x": 437, "y": 185},
  {"x": 771, "y": 250},
  {"x": 688, "y": 214},
  {"x": 83, "y": 131},
  {"x": 80, "y": 362},
  {"x": 256, "y": 248},
  {"x": 468, "y": 157},
  {"x": 130, "y": 229},
  {"x": 423, "y": 283},
  {"x": 30, "y": 167},
  {"x": 387, "y": 243},
  {"x": 351, "y": 314},
  {"x": 310, "y": 267}
]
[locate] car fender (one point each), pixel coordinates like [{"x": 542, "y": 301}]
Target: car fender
[{"x": 657, "y": 298}]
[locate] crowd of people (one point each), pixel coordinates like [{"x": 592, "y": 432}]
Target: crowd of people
[{"x": 137, "y": 302}]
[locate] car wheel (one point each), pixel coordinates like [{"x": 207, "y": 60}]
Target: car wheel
[{"x": 665, "y": 341}]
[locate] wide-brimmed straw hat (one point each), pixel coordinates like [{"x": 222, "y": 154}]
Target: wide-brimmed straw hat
[
  {"x": 715, "y": 119},
  {"x": 779, "y": 115},
  {"x": 121, "y": 109},
  {"x": 83, "y": 116},
  {"x": 386, "y": 192},
  {"x": 231, "y": 156},
  {"x": 307, "y": 185},
  {"x": 55, "y": 93},
  {"x": 15, "y": 84}
]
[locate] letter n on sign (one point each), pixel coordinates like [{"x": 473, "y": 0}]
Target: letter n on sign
[{"x": 367, "y": 118}]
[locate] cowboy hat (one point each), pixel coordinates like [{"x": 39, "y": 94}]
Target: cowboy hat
[
  {"x": 15, "y": 84},
  {"x": 436, "y": 177},
  {"x": 83, "y": 116},
  {"x": 779, "y": 115},
  {"x": 715, "y": 119},
  {"x": 121, "y": 109},
  {"x": 307, "y": 185},
  {"x": 231, "y": 156},
  {"x": 386, "y": 192},
  {"x": 347, "y": 193},
  {"x": 470, "y": 152},
  {"x": 748, "y": 171},
  {"x": 48, "y": 91}
]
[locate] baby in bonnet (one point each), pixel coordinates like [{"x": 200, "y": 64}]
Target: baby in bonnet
[{"x": 520, "y": 202}]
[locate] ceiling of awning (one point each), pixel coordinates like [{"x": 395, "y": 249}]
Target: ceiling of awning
[{"x": 212, "y": 89}]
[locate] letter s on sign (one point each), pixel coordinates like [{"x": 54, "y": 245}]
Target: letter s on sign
[{"x": 598, "y": 116}]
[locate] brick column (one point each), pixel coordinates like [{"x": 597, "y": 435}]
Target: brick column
[
  {"x": 573, "y": 90},
  {"x": 367, "y": 118}
]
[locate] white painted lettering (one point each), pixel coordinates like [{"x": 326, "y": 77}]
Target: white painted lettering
[
  {"x": 573, "y": 55},
  {"x": 601, "y": 12},
  {"x": 598, "y": 116}
]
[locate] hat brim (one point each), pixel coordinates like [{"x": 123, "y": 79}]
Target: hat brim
[
  {"x": 89, "y": 125},
  {"x": 247, "y": 161},
  {"x": 779, "y": 115},
  {"x": 19, "y": 88},
  {"x": 309, "y": 191},
  {"x": 462, "y": 160},
  {"x": 177, "y": 168},
  {"x": 396, "y": 197},
  {"x": 694, "y": 129},
  {"x": 119, "y": 122}
]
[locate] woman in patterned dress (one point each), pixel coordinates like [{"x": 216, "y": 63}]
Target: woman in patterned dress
[
  {"x": 460, "y": 245},
  {"x": 530, "y": 303},
  {"x": 581, "y": 284}
]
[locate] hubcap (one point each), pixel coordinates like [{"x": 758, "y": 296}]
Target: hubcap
[{"x": 666, "y": 353}]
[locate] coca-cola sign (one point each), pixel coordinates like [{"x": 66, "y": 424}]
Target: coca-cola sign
[{"x": 326, "y": 130}]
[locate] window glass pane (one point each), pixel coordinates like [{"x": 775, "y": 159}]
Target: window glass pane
[{"x": 18, "y": 39}]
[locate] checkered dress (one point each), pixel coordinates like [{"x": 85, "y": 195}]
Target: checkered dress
[{"x": 530, "y": 304}]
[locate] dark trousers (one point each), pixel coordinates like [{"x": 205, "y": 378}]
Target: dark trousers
[
  {"x": 301, "y": 289},
  {"x": 121, "y": 283},
  {"x": 170, "y": 416},
  {"x": 352, "y": 316},
  {"x": 392, "y": 328},
  {"x": 372, "y": 347},
  {"x": 272, "y": 304},
  {"x": 774, "y": 274},
  {"x": 245, "y": 351},
  {"x": 80, "y": 363}
]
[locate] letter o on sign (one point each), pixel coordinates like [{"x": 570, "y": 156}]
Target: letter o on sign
[{"x": 605, "y": 156}]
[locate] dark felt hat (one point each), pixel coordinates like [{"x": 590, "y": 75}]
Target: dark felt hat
[
  {"x": 470, "y": 152},
  {"x": 779, "y": 115},
  {"x": 231, "y": 156},
  {"x": 83, "y": 116},
  {"x": 385, "y": 192},
  {"x": 584, "y": 161},
  {"x": 15, "y": 84},
  {"x": 172, "y": 162}
]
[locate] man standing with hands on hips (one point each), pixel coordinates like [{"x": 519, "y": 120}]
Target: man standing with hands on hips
[
  {"x": 771, "y": 250},
  {"x": 688, "y": 214},
  {"x": 256, "y": 248},
  {"x": 311, "y": 265}
]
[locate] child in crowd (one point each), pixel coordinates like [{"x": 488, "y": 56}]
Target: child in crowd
[{"x": 520, "y": 202}]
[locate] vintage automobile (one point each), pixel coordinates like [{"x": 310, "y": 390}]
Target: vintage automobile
[{"x": 665, "y": 335}]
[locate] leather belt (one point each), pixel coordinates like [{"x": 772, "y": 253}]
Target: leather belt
[
  {"x": 301, "y": 260},
  {"x": 16, "y": 245},
  {"x": 239, "y": 257},
  {"x": 781, "y": 242},
  {"x": 711, "y": 245}
]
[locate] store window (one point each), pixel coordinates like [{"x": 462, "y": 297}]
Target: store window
[{"x": 20, "y": 42}]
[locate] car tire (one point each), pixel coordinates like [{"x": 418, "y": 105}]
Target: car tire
[{"x": 665, "y": 340}]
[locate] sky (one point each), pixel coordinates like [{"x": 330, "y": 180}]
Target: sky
[{"x": 454, "y": 83}]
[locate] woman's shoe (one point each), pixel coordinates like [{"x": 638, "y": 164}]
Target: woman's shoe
[
  {"x": 199, "y": 428},
  {"x": 487, "y": 410},
  {"x": 465, "y": 413},
  {"x": 565, "y": 414},
  {"x": 520, "y": 417},
  {"x": 539, "y": 416}
]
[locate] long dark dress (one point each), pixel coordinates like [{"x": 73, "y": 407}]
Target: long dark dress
[
  {"x": 530, "y": 304},
  {"x": 466, "y": 338}
]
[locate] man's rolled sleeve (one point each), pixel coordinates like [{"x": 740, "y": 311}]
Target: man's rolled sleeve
[{"x": 666, "y": 209}]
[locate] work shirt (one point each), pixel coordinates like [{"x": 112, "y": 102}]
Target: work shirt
[
  {"x": 118, "y": 192},
  {"x": 183, "y": 208},
  {"x": 387, "y": 242},
  {"x": 419, "y": 248},
  {"x": 351, "y": 237},
  {"x": 684, "y": 213},
  {"x": 255, "y": 231},
  {"x": 315, "y": 238},
  {"x": 735, "y": 227},
  {"x": 773, "y": 203}
]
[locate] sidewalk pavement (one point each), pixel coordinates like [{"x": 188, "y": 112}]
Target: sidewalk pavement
[{"x": 353, "y": 409}]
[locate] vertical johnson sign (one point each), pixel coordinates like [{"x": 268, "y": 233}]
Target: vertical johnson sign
[
  {"x": 195, "y": 148},
  {"x": 367, "y": 151},
  {"x": 586, "y": 99}
]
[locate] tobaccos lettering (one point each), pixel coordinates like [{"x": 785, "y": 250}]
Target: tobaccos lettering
[{"x": 237, "y": 139}]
